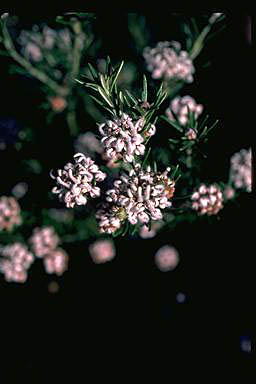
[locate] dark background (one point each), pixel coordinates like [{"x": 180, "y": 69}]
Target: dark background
[{"x": 125, "y": 312}]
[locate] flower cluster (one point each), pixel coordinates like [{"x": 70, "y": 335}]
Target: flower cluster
[
  {"x": 168, "y": 61},
  {"x": 181, "y": 107},
  {"x": 37, "y": 42},
  {"x": 146, "y": 233},
  {"x": 102, "y": 251},
  {"x": 78, "y": 180},
  {"x": 207, "y": 200},
  {"x": 43, "y": 241},
  {"x": 15, "y": 262},
  {"x": 138, "y": 197},
  {"x": 166, "y": 258},
  {"x": 241, "y": 169},
  {"x": 56, "y": 261},
  {"x": 9, "y": 213},
  {"x": 121, "y": 137}
]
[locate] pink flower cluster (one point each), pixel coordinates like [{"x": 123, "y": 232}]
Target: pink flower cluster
[
  {"x": 241, "y": 169},
  {"x": 166, "y": 258},
  {"x": 15, "y": 262},
  {"x": 207, "y": 200},
  {"x": 121, "y": 137},
  {"x": 145, "y": 233},
  {"x": 44, "y": 242},
  {"x": 139, "y": 197},
  {"x": 9, "y": 213},
  {"x": 102, "y": 251},
  {"x": 168, "y": 61},
  {"x": 76, "y": 182},
  {"x": 181, "y": 107}
]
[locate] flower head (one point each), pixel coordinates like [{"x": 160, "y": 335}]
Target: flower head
[
  {"x": 207, "y": 200},
  {"x": 123, "y": 136},
  {"x": 56, "y": 261},
  {"x": 166, "y": 258},
  {"x": 43, "y": 241},
  {"x": 181, "y": 107},
  {"x": 77, "y": 181},
  {"x": 141, "y": 195},
  {"x": 241, "y": 170},
  {"x": 102, "y": 251},
  {"x": 9, "y": 213},
  {"x": 15, "y": 262},
  {"x": 168, "y": 61}
]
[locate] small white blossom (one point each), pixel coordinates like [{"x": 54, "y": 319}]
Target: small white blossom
[
  {"x": 207, "y": 200},
  {"x": 77, "y": 181},
  {"x": 181, "y": 107},
  {"x": 43, "y": 241},
  {"x": 241, "y": 170},
  {"x": 56, "y": 261},
  {"x": 9, "y": 213},
  {"x": 168, "y": 61}
]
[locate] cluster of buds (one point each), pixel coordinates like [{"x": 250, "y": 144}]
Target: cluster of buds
[
  {"x": 43, "y": 241},
  {"x": 102, "y": 251},
  {"x": 241, "y": 169},
  {"x": 88, "y": 144},
  {"x": 78, "y": 180},
  {"x": 121, "y": 137},
  {"x": 207, "y": 200},
  {"x": 168, "y": 61},
  {"x": 181, "y": 107},
  {"x": 56, "y": 261},
  {"x": 15, "y": 262},
  {"x": 35, "y": 43},
  {"x": 9, "y": 213},
  {"x": 139, "y": 197},
  {"x": 166, "y": 258}
]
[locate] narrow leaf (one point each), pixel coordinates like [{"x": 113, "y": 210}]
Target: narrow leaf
[
  {"x": 144, "y": 95},
  {"x": 172, "y": 123},
  {"x": 93, "y": 71},
  {"x": 116, "y": 75}
]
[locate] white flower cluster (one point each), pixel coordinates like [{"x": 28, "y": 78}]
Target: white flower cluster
[
  {"x": 168, "y": 61},
  {"x": 121, "y": 137},
  {"x": 43, "y": 241},
  {"x": 37, "y": 41},
  {"x": 138, "y": 197},
  {"x": 167, "y": 258},
  {"x": 241, "y": 169},
  {"x": 9, "y": 213},
  {"x": 181, "y": 107},
  {"x": 15, "y": 262},
  {"x": 102, "y": 250},
  {"x": 56, "y": 261},
  {"x": 207, "y": 200},
  {"x": 78, "y": 180}
]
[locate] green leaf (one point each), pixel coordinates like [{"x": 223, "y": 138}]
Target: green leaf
[
  {"x": 93, "y": 71},
  {"x": 104, "y": 84},
  {"x": 144, "y": 95},
  {"x": 146, "y": 157},
  {"x": 118, "y": 232},
  {"x": 172, "y": 123},
  {"x": 105, "y": 97},
  {"x": 115, "y": 75},
  {"x": 93, "y": 86},
  {"x": 131, "y": 97}
]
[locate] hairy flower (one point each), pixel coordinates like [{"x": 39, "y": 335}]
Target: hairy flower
[
  {"x": 181, "y": 107},
  {"x": 168, "y": 61},
  {"x": 77, "y": 181},
  {"x": 15, "y": 262},
  {"x": 207, "y": 200},
  {"x": 241, "y": 169},
  {"x": 9, "y": 213},
  {"x": 142, "y": 194},
  {"x": 102, "y": 251},
  {"x": 56, "y": 261},
  {"x": 166, "y": 258},
  {"x": 43, "y": 241},
  {"x": 123, "y": 136}
]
